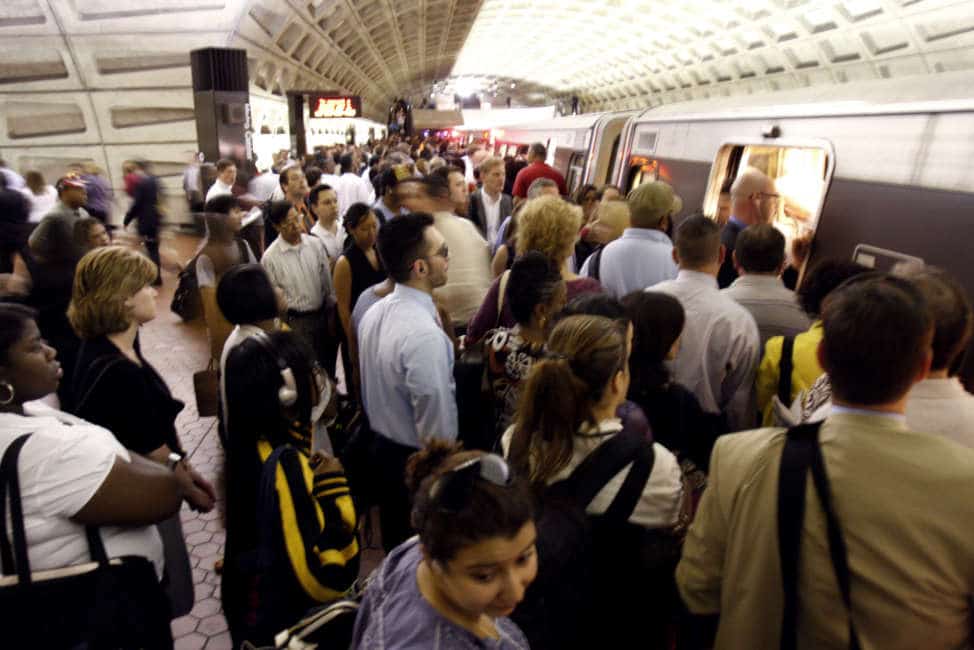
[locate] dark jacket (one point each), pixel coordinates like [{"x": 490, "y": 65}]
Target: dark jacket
[
  {"x": 478, "y": 214},
  {"x": 728, "y": 237},
  {"x": 145, "y": 197}
]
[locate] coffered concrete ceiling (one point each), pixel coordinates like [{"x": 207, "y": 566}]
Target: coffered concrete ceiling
[{"x": 110, "y": 79}]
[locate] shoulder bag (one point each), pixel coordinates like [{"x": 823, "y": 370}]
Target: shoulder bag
[{"x": 105, "y": 603}]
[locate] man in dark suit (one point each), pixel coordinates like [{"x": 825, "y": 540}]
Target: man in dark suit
[
  {"x": 754, "y": 200},
  {"x": 489, "y": 206},
  {"x": 145, "y": 210}
]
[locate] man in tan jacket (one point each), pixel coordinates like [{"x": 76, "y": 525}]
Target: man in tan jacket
[{"x": 904, "y": 502}]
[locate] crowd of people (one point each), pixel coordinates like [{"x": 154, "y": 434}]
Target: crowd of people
[{"x": 586, "y": 420}]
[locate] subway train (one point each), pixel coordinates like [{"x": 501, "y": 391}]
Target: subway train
[{"x": 881, "y": 172}]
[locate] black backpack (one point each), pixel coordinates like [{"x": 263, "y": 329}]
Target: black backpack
[{"x": 602, "y": 581}]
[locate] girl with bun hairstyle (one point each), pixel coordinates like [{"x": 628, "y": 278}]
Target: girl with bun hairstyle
[{"x": 454, "y": 585}]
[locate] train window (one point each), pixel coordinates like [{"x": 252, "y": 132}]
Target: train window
[
  {"x": 801, "y": 173},
  {"x": 641, "y": 170},
  {"x": 576, "y": 169}
]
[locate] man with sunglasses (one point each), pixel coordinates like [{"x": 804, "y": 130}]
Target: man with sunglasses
[
  {"x": 754, "y": 200},
  {"x": 406, "y": 364}
]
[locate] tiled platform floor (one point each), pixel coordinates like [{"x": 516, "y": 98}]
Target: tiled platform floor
[{"x": 177, "y": 350}]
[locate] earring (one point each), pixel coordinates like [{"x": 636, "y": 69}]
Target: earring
[{"x": 6, "y": 386}]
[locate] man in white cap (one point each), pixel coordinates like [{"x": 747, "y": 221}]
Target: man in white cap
[{"x": 643, "y": 256}]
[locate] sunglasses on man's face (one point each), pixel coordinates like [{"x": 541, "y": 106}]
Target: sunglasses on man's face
[{"x": 452, "y": 490}]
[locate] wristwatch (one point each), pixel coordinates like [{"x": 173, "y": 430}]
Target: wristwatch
[{"x": 173, "y": 460}]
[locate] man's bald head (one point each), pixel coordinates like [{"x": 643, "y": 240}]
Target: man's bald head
[{"x": 754, "y": 198}]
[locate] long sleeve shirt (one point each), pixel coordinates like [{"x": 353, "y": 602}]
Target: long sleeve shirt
[
  {"x": 406, "y": 364},
  {"x": 640, "y": 258},
  {"x": 302, "y": 271},
  {"x": 719, "y": 349}
]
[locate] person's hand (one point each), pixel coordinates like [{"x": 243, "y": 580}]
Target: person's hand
[
  {"x": 197, "y": 491},
  {"x": 322, "y": 463}
]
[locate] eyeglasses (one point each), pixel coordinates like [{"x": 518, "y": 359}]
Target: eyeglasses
[{"x": 452, "y": 490}]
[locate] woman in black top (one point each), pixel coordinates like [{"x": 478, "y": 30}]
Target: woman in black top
[
  {"x": 115, "y": 387},
  {"x": 674, "y": 414},
  {"x": 356, "y": 270}
]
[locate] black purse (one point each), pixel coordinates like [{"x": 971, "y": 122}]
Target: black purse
[{"x": 104, "y": 604}]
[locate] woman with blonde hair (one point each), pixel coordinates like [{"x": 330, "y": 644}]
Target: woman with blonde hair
[
  {"x": 114, "y": 386},
  {"x": 550, "y": 226}
]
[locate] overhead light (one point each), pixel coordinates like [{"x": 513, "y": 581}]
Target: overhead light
[{"x": 513, "y": 85}]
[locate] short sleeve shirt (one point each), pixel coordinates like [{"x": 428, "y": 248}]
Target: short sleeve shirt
[{"x": 61, "y": 467}]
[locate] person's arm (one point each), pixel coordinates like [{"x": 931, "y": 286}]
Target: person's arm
[
  {"x": 499, "y": 264},
  {"x": 319, "y": 527},
  {"x": 430, "y": 385},
  {"x": 343, "y": 296},
  {"x": 737, "y": 387},
  {"x": 137, "y": 493},
  {"x": 486, "y": 317},
  {"x": 19, "y": 282}
]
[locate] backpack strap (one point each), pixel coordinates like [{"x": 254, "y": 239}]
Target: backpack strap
[
  {"x": 598, "y": 468},
  {"x": 595, "y": 264},
  {"x": 801, "y": 453},
  {"x": 10, "y": 485},
  {"x": 785, "y": 367},
  {"x": 626, "y": 500}
]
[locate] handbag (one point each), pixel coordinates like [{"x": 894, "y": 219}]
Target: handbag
[
  {"x": 206, "y": 386},
  {"x": 104, "y": 603},
  {"x": 186, "y": 301}
]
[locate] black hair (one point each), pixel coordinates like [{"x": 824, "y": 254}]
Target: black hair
[
  {"x": 760, "y": 249},
  {"x": 224, "y": 163},
  {"x": 877, "y": 332},
  {"x": 595, "y": 304},
  {"x": 283, "y": 179},
  {"x": 13, "y": 323},
  {"x": 318, "y": 189},
  {"x": 533, "y": 281},
  {"x": 387, "y": 181},
  {"x": 245, "y": 295},
  {"x": 697, "y": 241},
  {"x": 950, "y": 309},
  {"x": 437, "y": 183},
  {"x": 312, "y": 175},
  {"x": 347, "y": 162},
  {"x": 579, "y": 195},
  {"x": 824, "y": 277},
  {"x": 221, "y": 204},
  {"x": 537, "y": 149},
  {"x": 277, "y": 212},
  {"x": 401, "y": 242},
  {"x": 489, "y": 510},
  {"x": 657, "y": 321},
  {"x": 356, "y": 213}
]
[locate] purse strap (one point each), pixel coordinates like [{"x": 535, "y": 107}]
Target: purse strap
[
  {"x": 801, "y": 453},
  {"x": 16, "y": 559}
]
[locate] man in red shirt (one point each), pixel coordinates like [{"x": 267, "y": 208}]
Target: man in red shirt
[{"x": 536, "y": 169}]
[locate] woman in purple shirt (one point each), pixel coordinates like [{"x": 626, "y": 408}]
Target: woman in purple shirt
[{"x": 454, "y": 585}]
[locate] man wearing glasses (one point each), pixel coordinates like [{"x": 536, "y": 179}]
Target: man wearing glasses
[
  {"x": 754, "y": 200},
  {"x": 406, "y": 364}
]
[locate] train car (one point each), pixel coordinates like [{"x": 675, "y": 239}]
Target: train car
[
  {"x": 881, "y": 172},
  {"x": 584, "y": 148}
]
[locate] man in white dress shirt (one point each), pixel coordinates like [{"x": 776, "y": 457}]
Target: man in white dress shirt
[
  {"x": 489, "y": 206},
  {"x": 720, "y": 345},
  {"x": 226, "y": 174},
  {"x": 298, "y": 264},
  {"x": 351, "y": 187},
  {"x": 328, "y": 227}
]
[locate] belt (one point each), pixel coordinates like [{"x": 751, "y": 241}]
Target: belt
[{"x": 296, "y": 313}]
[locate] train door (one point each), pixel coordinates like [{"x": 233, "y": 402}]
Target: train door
[{"x": 801, "y": 170}]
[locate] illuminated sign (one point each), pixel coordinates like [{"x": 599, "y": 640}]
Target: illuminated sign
[{"x": 335, "y": 106}]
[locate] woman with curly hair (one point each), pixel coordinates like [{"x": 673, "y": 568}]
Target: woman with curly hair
[{"x": 550, "y": 226}]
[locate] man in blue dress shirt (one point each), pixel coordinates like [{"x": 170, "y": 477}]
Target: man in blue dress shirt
[
  {"x": 643, "y": 256},
  {"x": 406, "y": 364}
]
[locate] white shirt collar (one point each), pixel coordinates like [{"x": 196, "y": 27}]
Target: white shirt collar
[{"x": 850, "y": 410}]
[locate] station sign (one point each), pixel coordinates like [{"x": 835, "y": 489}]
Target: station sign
[{"x": 335, "y": 106}]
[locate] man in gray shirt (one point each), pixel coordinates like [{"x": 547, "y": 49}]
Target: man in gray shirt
[
  {"x": 759, "y": 257},
  {"x": 53, "y": 239}
]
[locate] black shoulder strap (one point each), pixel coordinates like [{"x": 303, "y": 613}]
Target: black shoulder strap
[
  {"x": 10, "y": 484},
  {"x": 626, "y": 500},
  {"x": 785, "y": 366},
  {"x": 801, "y": 452},
  {"x": 595, "y": 264},
  {"x": 598, "y": 468}
]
